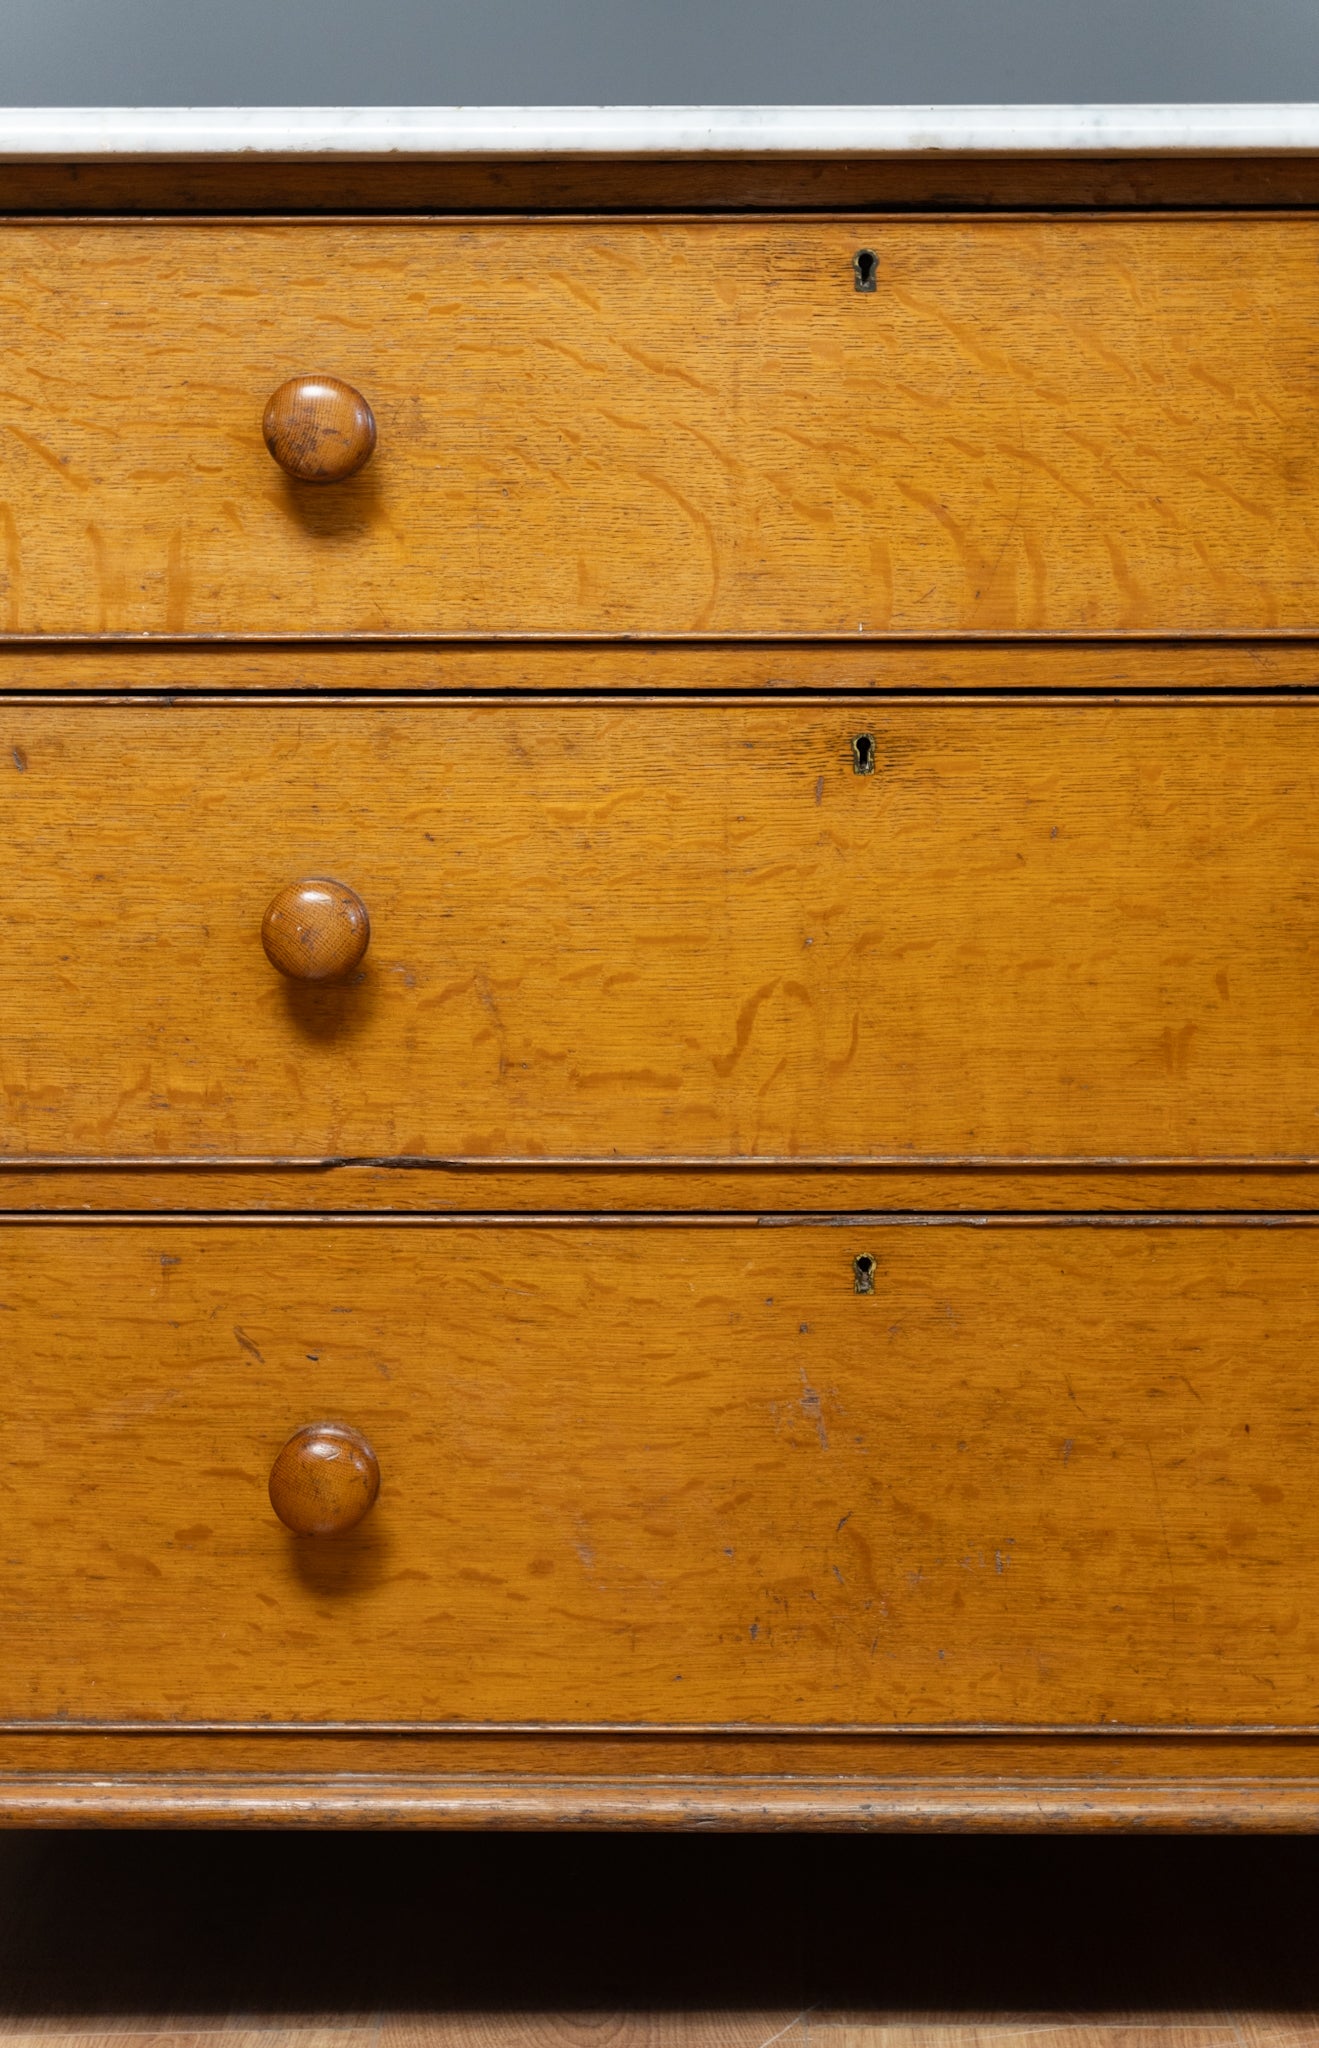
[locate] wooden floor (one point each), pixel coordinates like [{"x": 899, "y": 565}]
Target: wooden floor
[{"x": 466, "y": 1941}]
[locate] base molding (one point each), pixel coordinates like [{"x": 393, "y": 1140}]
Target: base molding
[{"x": 724, "y": 1803}]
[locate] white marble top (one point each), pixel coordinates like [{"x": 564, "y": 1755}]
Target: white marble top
[{"x": 35, "y": 132}]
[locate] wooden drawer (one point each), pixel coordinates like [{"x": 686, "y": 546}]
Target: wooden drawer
[
  {"x": 667, "y": 426},
  {"x": 667, "y": 1475},
  {"x": 667, "y": 931}
]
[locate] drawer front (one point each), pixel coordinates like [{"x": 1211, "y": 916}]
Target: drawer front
[
  {"x": 667, "y": 1475},
  {"x": 702, "y": 427},
  {"x": 1034, "y": 931}
]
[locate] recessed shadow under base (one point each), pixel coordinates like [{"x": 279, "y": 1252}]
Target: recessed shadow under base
[{"x": 345, "y": 1924}]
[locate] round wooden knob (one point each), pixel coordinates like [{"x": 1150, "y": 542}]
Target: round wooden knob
[
  {"x": 316, "y": 930},
  {"x": 319, "y": 429},
  {"x": 324, "y": 1480}
]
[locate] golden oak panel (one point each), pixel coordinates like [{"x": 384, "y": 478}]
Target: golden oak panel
[
  {"x": 688, "y": 667},
  {"x": 686, "y": 426},
  {"x": 667, "y": 1475},
  {"x": 742, "y": 1190},
  {"x": 1070, "y": 931},
  {"x": 490, "y": 1751}
]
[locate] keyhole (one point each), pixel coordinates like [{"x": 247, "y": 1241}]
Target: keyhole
[
  {"x": 863, "y": 1274},
  {"x": 865, "y": 267},
  {"x": 863, "y": 754}
]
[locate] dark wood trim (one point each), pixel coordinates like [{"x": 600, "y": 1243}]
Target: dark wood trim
[
  {"x": 833, "y": 1805},
  {"x": 692, "y": 184}
]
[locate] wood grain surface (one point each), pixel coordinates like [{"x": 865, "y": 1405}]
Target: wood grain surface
[
  {"x": 300, "y": 667},
  {"x": 667, "y": 1476},
  {"x": 1067, "y": 931},
  {"x": 742, "y": 1192},
  {"x": 678, "y": 1528},
  {"x": 669, "y": 2026},
  {"x": 687, "y": 426},
  {"x": 1113, "y": 1764}
]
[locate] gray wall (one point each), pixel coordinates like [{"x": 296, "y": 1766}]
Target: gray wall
[{"x": 593, "y": 52}]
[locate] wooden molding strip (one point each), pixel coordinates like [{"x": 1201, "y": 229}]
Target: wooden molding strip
[
  {"x": 944, "y": 1734},
  {"x": 663, "y": 1219},
  {"x": 839, "y": 1805},
  {"x": 439, "y": 643},
  {"x": 63, "y": 1162},
  {"x": 748, "y": 1164}
]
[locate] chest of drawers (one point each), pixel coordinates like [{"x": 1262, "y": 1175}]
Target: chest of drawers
[{"x": 659, "y": 1096}]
